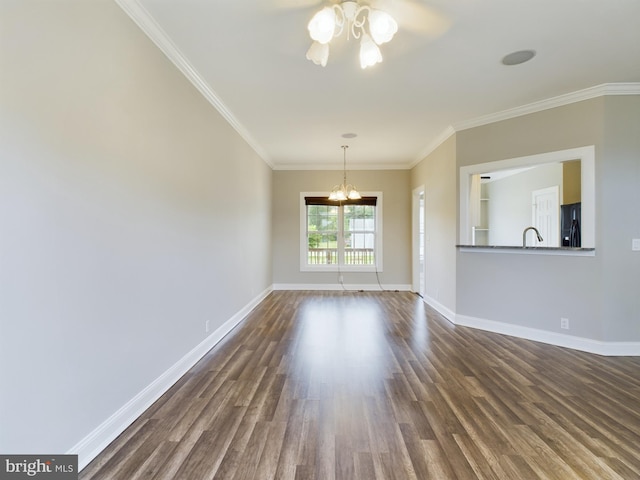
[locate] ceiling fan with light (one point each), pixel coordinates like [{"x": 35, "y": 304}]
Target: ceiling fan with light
[
  {"x": 373, "y": 22},
  {"x": 372, "y": 26}
]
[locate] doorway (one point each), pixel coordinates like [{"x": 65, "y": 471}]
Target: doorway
[{"x": 418, "y": 241}]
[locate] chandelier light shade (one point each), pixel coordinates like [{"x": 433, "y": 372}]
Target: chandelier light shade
[
  {"x": 371, "y": 26},
  {"x": 382, "y": 26},
  {"x": 323, "y": 25},
  {"x": 346, "y": 191},
  {"x": 318, "y": 53},
  {"x": 369, "y": 52}
]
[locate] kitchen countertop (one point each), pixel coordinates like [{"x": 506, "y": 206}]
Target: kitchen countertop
[{"x": 529, "y": 249}]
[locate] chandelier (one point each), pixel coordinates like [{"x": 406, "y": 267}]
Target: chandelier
[
  {"x": 331, "y": 21},
  {"x": 344, "y": 191}
]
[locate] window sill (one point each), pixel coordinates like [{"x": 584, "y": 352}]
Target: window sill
[{"x": 341, "y": 268}]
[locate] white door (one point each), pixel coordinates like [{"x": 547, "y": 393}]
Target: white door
[
  {"x": 546, "y": 216},
  {"x": 418, "y": 242}
]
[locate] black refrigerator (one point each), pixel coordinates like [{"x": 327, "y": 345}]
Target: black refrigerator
[{"x": 570, "y": 225}]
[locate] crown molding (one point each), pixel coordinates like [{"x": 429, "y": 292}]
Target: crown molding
[
  {"x": 340, "y": 166},
  {"x": 159, "y": 37},
  {"x": 559, "y": 101},
  {"x": 147, "y": 24},
  {"x": 439, "y": 140},
  {"x": 630, "y": 88}
]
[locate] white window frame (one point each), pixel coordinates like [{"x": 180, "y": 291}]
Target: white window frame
[{"x": 304, "y": 267}]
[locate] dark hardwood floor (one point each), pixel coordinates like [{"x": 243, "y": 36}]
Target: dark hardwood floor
[{"x": 334, "y": 385}]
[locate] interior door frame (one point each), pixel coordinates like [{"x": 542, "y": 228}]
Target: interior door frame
[{"x": 415, "y": 242}]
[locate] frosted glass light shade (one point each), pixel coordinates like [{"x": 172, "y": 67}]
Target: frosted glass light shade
[
  {"x": 338, "y": 195},
  {"x": 382, "y": 26},
  {"x": 369, "y": 52},
  {"x": 318, "y": 53},
  {"x": 323, "y": 25}
]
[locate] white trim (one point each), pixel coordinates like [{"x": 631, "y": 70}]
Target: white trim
[
  {"x": 97, "y": 440},
  {"x": 159, "y": 37},
  {"x": 339, "y": 166},
  {"x": 559, "y": 101},
  {"x": 367, "y": 287},
  {"x": 440, "y": 308},
  {"x": 552, "y": 338},
  {"x": 416, "y": 274},
  {"x": 378, "y": 267},
  {"x": 585, "y": 154},
  {"x": 435, "y": 143},
  {"x": 630, "y": 88}
]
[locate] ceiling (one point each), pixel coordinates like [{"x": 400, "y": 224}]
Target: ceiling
[{"x": 442, "y": 71}]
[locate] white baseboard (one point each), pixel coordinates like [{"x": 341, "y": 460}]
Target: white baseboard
[
  {"x": 96, "y": 441},
  {"x": 440, "y": 308},
  {"x": 368, "y": 287},
  {"x": 612, "y": 349},
  {"x": 552, "y": 338}
]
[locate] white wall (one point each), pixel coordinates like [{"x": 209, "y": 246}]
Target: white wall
[
  {"x": 618, "y": 201},
  {"x": 131, "y": 213}
]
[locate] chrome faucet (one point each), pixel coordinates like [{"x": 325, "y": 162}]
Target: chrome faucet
[{"x": 524, "y": 235}]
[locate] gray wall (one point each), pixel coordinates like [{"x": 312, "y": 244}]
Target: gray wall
[
  {"x": 396, "y": 210},
  {"x": 598, "y": 294},
  {"x": 131, "y": 213},
  {"x": 619, "y": 220},
  {"x": 438, "y": 174}
]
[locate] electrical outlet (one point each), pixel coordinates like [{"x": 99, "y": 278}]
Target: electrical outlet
[
  {"x": 564, "y": 323},
  {"x": 341, "y": 279},
  {"x": 635, "y": 244},
  {"x": 206, "y": 326}
]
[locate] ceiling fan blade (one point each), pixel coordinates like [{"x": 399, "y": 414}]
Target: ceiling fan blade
[
  {"x": 294, "y": 4},
  {"x": 415, "y": 16}
]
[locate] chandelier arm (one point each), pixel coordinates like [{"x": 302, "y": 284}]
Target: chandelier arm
[
  {"x": 341, "y": 20},
  {"x": 357, "y": 26},
  {"x": 346, "y": 191}
]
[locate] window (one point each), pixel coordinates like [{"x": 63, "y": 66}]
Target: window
[{"x": 340, "y": 235}]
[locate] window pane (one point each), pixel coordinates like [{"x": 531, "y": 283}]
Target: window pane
[
  {"x": 359, "y": 218},
  {"x": 322, "y": 217},
  {"x": 322, "y": 234},
  {"x": 359, "y": 249}
]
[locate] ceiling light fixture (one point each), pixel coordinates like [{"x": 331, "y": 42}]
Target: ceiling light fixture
[
  {"x": 345, "y": 191},
  {"x": 331, "y": 21}
]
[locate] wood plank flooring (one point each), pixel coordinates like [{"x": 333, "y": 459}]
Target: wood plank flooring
[{"x": 336, "y": 385}]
